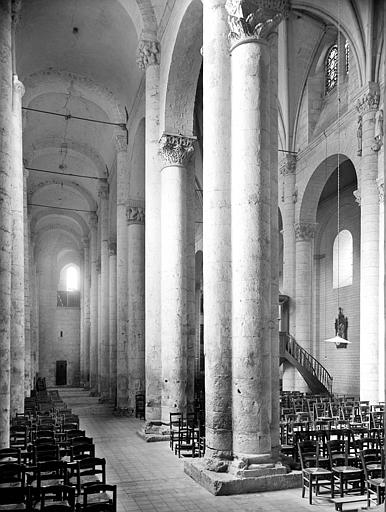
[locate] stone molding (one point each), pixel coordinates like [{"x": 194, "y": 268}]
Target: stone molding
[
  {"x": 103, "y": 191},
  {"x": 304, "y": 231},
  {"x": 369, "y": 101},
  {"x": 254, "y": 19},
  {"x": 112, "y": 248},
  {"x": 18, "y": 86},
  {"x": 120, "y": 142},
  {"x": 288, "y": 164},
  {"x": 357, "y": 196},
  {"x": 176, "y": 149},
  {"x": 380, "y": 184},
  {"x": 135, "y": 212},
  {"x": 148, "y": 54}
]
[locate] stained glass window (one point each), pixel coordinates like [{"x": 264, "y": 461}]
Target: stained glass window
[
  {"x": 347, "y": 56},
  {"x": 331, "y": 68}
]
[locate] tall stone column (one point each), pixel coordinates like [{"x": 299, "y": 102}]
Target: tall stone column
[
  {"x": 274, "y": 213},
  {"x": 104, "y": 292},
  {"x": 381, "y": 355},
  {"x": 17, "y": 278},
  {"x": 5, "y": 215},
  {"x": 136, "y": 299},
  {"x": 113, "y": 320},
  {"x": 121, "y": 362},
  {"x": 85, "y": 353},
  {"x": 175, "y": 151},
  {"x": 217, "y": 232},
  {"x": 148, "y": 58},
  {"x": 367, "y": 107},
  {"x": 27, "y": 288},
  {"x": 252, "y": 330},
  {"x": 304, "y": 233},
  {"x": 288, "y": 174},
  {"x": 93, "y": 305}
]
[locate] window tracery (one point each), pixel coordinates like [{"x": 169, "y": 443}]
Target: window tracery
[{"x": 331, "y": 68}]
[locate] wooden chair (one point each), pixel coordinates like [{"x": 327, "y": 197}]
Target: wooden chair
[
  {"x": 16, "y": 499},
  {"x": 313, "y": 476},
  {"x": 12, "y": 475},
  {"x": 82, "y": 451},
  {"x": 343, "y": 473},
  {"x": 186, "y": 441},
  {"x": 88, "y": 471},
  {"x": 174, "y": 420},
  {"x": 48, "y": 473},
  {"x": 100, "y": 497},
  {"x": 10, "y": 455},
  {"x": 375, "y": 487},
  {"x": 53, "y": 496}
]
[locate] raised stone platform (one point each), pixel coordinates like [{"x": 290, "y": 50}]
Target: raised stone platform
[
  {"x": 154, "y": 432},
  {"x": 254, "y": 480}
]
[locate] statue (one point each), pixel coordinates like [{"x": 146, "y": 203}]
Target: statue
[
  {"x": 341, "y": 325},
  {"x": 378, "y": 135}
]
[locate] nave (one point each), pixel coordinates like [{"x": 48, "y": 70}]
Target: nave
[{"x": 150, "y": 478}]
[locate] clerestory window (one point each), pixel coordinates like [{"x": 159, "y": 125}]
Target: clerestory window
[{"x": 331, "y": 68}]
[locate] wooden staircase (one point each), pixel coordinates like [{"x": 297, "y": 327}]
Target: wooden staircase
[{"x": 315, "y": 374}]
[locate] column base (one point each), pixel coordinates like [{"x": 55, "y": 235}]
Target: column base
[
  {"x": 271, "y": 476},
  {"x": 154, "y": 431}
]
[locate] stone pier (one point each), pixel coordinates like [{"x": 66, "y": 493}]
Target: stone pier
[
  {"x": 93, "y": 306},
  {"x": 113, "y": 321}
]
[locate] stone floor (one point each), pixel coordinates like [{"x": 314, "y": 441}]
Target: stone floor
[{"x": 151, "y": 479}]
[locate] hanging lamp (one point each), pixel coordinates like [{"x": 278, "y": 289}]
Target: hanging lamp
[{"x": 341, "y": 322}]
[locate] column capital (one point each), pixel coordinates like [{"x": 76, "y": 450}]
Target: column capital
[
  {"x": 254, "y": 19},
  {"x": 18, "y": 86},
  {"x": 120, "y": 142},
  {"x": 304, "y": 231},
  {"x": 103, "y": 190},
  {"x": 369, "y": 100},
  {"x": 176, "y": 149},
  {"x": 112, "y": 248},
  {"x": 357, "y": 195},
  {"x": 288, "y": 164},
  {"x": 148, "y": 53},
  {"x": 16, "y": 7},
  {"x": 135, "y": 212}
]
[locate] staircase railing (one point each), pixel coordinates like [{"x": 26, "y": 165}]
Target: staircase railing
[{"x": 306, "y": 360}]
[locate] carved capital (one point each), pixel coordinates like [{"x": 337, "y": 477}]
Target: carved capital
[
  {"x": 103, "y": 190},
  {"x": 357, "y": 196},
  {"x": 18, "y": 86},
  {"x": 369, "y": 101},
  {"x": 254, "y": 18},
  {"x": 148, "y": 53},
  {"x": 135, "y": 212},
  {"x": 16, "y": 7},
  {"x": 176, "y": 149},
  {"x": 304, "y": 231},
  {"x": 288, "y": 164},
  {"x": 120, "y": 142},
  {"x": 112, "y": 248}
]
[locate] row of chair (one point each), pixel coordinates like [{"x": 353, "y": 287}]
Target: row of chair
[{"x": 187, "y": 435}]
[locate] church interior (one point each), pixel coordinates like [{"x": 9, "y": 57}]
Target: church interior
[{"x": 192, "y": 237}]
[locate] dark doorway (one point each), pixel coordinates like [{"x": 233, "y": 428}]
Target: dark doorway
[{"x": 61, "y": 373}]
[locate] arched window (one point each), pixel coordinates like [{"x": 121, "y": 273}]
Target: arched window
[
  {"x": 342, "y": 258},
  {"x": 72, "y": 279},
  {"x": 331, "y": 68},
  {"x": 346, "y": 57}
]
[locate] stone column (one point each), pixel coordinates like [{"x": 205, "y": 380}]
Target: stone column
[
  {"x": 252, "y": 328},
  {"x": 136, "y": 299},
  {"x": 175, "y": 151},
  {"x": 5, "y": 215},
  {"x": 288, "y": 174},
  {"x": 93, "y": 306},
  {"x": 17, "y": 278},
  {"x": 121, "y": 362},
  {"x": 27, "y": 289},
  {"x": 304, "y": 233},
  {"x": 367, "y": 107},
  {"x": 217, "y": 232},
  {"x": 148, "y": 57},
  {"x": 113, "y": 320},
  {"x": 104, "y": 292},
  {"x": 85, "y": 354},
  {"x": 273, "y": 123}
]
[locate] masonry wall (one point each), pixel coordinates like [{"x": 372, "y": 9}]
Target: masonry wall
[{"x": 342, "y": 363}]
